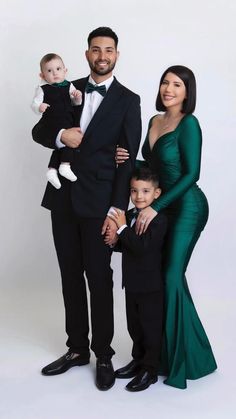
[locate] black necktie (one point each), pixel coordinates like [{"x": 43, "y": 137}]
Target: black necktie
[{"x": 92, "y": 87}]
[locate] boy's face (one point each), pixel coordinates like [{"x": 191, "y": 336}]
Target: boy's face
[
  {"x": 54, "y": 71},
  {"x": 143, "y": 193}
]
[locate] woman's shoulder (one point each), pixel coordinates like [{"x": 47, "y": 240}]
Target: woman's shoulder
[
  {"x": 154, "y": 119},
  {"x": 190, "y": 120},
  {"x": 189, "y": 126}
]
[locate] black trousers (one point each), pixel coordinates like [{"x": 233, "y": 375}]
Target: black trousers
[
  {"x": 64, "y": 155},
  {"x": 81, "y": 250},
  {"x": 144, "y": 313}
]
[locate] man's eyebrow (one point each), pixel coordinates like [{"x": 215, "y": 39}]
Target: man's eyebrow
[{"x": 107, "y": 47}]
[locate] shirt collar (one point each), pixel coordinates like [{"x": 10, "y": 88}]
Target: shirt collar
[{"x": 106, "y": 82}]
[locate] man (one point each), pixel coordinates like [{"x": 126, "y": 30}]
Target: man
[{"x": 109, "y": 116}]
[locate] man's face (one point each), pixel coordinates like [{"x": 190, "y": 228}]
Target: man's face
[{"x": 102, "y": 56}]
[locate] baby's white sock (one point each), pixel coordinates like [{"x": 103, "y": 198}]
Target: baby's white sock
[
  {"x": 65, "y": 171},
  {"x": 53, "y": 178}
]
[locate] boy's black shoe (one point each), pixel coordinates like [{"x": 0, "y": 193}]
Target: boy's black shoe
[
  {"x": 142, "y": 381},
  {"x": 129, "y": 371}
]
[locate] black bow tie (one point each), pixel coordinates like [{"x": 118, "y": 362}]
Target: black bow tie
[
  {"x": 93, "y": 87},
  {"x": 133, "y": 214}
]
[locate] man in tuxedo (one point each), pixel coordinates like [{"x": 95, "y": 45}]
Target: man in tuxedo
[{"x": 109, "y": 116}]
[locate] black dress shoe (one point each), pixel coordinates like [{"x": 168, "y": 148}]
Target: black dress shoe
[
  {"x": 64, "y": 363},
  {"x": 142, "y": 381},
  {"x": 129, "y": 371},
  {"x": 105, "y": 375}
]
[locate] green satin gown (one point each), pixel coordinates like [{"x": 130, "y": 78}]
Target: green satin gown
[{"x": 176, "y": 156}]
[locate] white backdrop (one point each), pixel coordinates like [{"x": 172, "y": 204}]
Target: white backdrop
[{"x": 152, "y": 35}]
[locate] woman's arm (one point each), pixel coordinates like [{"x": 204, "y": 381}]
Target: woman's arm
[{"x": 190, "y": 142}]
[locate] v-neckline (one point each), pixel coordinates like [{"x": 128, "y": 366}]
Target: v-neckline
[{"x": 163, "y": 135}]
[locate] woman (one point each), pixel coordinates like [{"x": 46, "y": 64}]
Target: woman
[{"x": 173, "y": 148}]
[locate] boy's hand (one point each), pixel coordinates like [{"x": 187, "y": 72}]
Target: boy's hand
[
  {"x": 109, "y": 230},
  {"x": 111, "y": 241},
  {"x": 43, "y": 107},
  {"x": 118, "y": 216}
]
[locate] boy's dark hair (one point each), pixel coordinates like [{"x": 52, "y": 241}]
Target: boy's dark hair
[
  {"x": 146, "y": 174},
  {"x": 48, "y": 57},
  {"x": 187, "y": 76},
  {"x": 103, "y": 31}
]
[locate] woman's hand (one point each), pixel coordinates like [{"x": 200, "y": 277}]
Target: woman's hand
[
  {"x": 144, "y": 218},
  {"x": 121, "y": 155}
]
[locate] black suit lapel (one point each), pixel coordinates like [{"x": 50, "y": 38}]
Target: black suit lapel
[
  {"x": 108, "y": 103},
  {"x": 80, "y": 85},
  {"x": 130, "y": 215}
]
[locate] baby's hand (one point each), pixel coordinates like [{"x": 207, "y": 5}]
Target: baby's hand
[
  {"x": 77, "y": 96},
  {"x": 43, "y": 107}
]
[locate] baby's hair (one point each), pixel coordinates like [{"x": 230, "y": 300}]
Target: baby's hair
[
  {"x": 146, "y": 174},
  {"x": 48, "y": 57}
]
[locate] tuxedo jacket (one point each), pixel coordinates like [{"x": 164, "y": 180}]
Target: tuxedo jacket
[
  {"x": 100, "y": 183},
  {"x": 142, "y": 255}
]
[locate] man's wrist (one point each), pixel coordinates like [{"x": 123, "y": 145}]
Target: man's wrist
[{"x": 59, "y": 143}]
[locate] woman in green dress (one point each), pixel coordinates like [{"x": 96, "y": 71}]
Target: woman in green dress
[{"x": 173, "y": 148}]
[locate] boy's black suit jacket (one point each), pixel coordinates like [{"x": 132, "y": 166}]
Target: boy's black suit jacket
[
  {"x": 142, "y": 255},
  {"x": 100, "y": 183}
]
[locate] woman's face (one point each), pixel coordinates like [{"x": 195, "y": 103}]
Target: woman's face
[{"x": 172, "y": 91}]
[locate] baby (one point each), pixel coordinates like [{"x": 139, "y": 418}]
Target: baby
[{"x": 55, "y": 99}]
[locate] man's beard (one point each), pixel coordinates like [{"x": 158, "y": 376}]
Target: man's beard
[{"x": 101, "y": 71}]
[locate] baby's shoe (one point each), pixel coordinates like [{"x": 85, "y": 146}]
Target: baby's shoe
[
  {"x": 65, "y": 171},
  {"x": 53, "y": 178}
]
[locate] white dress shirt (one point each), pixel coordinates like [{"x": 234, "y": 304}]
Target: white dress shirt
[{"x": 91, "y": 103}]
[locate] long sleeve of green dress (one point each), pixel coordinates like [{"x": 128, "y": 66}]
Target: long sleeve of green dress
[{"x": 189, "y": 139}]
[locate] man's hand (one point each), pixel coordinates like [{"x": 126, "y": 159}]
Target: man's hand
[
  {"x": 109, "y": 228},
  {"x": 72, "y": 137}
]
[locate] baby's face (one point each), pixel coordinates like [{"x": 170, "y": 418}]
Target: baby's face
[{"x": 54, "y": 71}]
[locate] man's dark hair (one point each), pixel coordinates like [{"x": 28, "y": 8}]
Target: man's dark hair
[
  {"x": 146, "y": 174},
  {"x": 103, "y": 31},
  {"x": 188, "y": 78}
]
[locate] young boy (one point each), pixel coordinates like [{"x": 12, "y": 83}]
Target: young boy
[
  {"x": 142, "y": 279},
  {"x": 55, "y": 100}
]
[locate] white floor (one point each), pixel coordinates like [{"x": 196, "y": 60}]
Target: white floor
[{"x": 32, "y": 335}]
